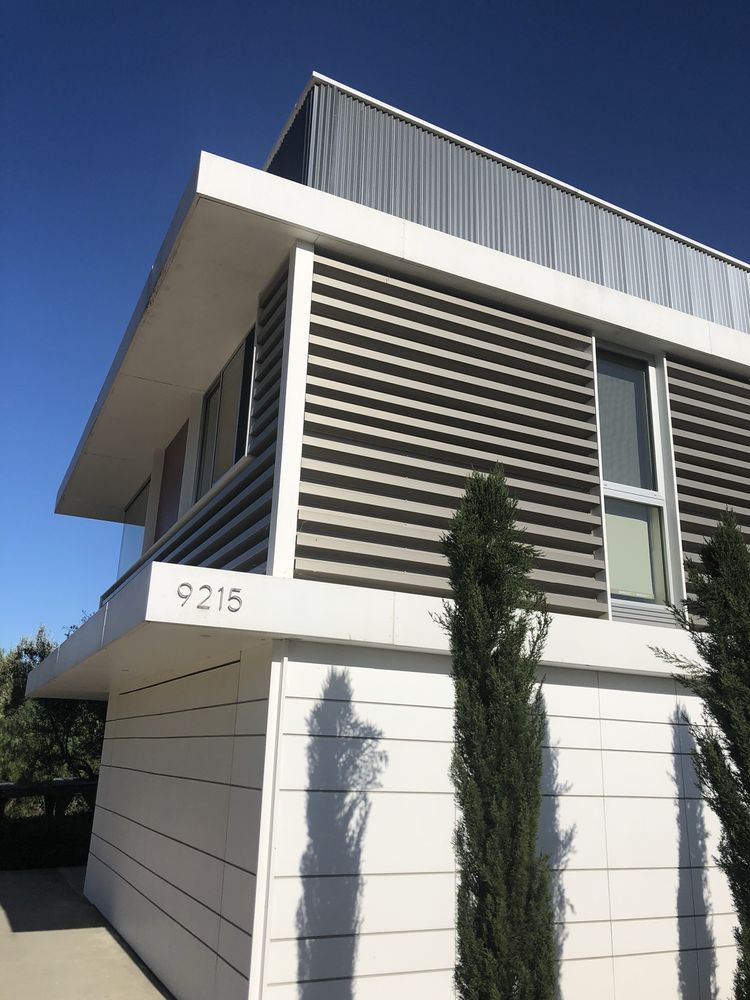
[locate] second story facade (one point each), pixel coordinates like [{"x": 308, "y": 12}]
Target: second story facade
[{"x": 308, "y": 380}]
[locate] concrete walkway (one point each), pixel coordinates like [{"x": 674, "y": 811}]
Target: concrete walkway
[{"x": 55, "y": 944}]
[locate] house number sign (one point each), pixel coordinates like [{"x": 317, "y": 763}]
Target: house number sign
[{"x": 206, "y": 598}]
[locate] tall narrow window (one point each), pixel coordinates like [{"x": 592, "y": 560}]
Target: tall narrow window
[
  {"x": 225, "y": 417},
  {"x": 633, "y": 486}
]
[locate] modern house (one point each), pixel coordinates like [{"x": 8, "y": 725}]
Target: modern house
[{"x": 323, "y": 349}]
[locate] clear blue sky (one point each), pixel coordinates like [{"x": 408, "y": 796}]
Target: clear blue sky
[{"x": 106, "y": 105}]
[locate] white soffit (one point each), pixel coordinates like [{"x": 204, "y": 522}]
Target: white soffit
[
  {"x": 146, "y": 631},
  {"x": 196, "y": 308}
]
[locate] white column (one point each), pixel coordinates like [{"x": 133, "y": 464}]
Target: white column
[
  {"x": 285, "y": 502},
  {"x": 264, "y": 868}
]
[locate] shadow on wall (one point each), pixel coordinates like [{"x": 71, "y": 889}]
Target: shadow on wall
[
  {"x": 555, "y": 842},
  {"x": 344, "y": 762},
  {"x": 692, "y": 887}
]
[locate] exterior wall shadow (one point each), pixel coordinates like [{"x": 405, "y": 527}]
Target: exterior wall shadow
[{"x": 341, "y": 770}]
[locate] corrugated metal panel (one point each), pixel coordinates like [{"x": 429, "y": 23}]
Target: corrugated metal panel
[
  {"x": 408, "y": 389},
  {"x": 711, "y": 432},
  {"x": 369, "y": 155}
]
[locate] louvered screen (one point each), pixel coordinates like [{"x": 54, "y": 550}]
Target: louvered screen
[
  {"x": 410, "y": 388},
  {"x": 711, "y": 433}
]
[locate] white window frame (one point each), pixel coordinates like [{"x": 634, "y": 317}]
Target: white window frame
[{"x": 663, "y": 496}]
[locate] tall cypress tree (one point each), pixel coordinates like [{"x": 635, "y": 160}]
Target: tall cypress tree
[
  {"x": 498, "y": 626},
  {"x": 717, "y": 617}
]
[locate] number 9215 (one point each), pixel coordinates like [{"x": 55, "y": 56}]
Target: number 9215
[{"x": 206, "y": 598}]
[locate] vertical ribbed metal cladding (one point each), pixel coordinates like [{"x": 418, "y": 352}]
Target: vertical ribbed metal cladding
[
  {"x": 409, "y": 388},
  {"x": 371, "y": 156},
  {"x": 711, "y": 433}
]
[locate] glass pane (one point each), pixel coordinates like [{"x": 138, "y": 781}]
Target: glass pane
[
  {"x": 226, "y": 438},
  {"x": 635, "y": 551},
  {"x": 133, "y": 526},
  {"x": 208, "y": 442},
  {"x": 624, "y": 421}
]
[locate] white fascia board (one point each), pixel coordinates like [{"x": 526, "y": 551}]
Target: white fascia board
[
  {"x": 336, "y": 223},
  {"x": 134, "y": 629}
]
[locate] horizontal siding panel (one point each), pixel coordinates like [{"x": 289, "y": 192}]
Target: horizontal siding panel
[
  {"x": 409, "y": 389},
  {"x": 710, "y": 413}
]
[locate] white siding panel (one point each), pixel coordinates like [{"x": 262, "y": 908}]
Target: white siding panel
[
  {"x": 168, "y": 806},
  {"x": 586, "y": 978},
  {"x": 405, "y": 833},
  {"x": 195, "y": 917},
  {"x": 191, "y": 722},
  {"x": 435, "y": 985},
  {"x": 396, "y": 722},
  {"x": 203, "y": 758},
  {"x": 388, "y": 903},
  {"x": 645, "y": 833},
  {"x": 408, "y": 765},
  {"x": 193, "y": 871},
  {"x": 655, "y": 977},
  {"x": 185, "y": 965},
  {"x": 390, "y": 679},
  {"x": 212, "y": 686},
  {"x": 378, "y": 955}
]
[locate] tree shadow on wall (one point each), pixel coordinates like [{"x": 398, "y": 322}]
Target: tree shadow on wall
[
  {"x": 554, "y": 841},
  {"x": 692, "y": 887},
  {"x": 344, "y": 763}
]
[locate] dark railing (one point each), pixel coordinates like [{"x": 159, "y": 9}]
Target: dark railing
[{"x": 57, "y": 793}]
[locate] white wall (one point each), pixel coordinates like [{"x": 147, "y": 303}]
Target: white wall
[
  {"x": 173, "y": 858},
  {"x": 362, "y": 885}
]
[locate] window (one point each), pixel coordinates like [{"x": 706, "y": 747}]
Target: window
[
  {"x": 225, "y": 419},
  {"x": 133, "y": 528},
  {"x": 633, "y": 481}
]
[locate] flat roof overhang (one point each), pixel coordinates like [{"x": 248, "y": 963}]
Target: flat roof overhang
[
  {"x": 146, "y": 632},
  {"x": 195, "y": 309},
  {"x": 233, "y": 230}
]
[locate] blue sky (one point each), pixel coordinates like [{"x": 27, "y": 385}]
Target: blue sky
[{"x": 104, "y": 107}]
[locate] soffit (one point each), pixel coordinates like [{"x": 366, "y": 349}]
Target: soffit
[{"x": 200, "y": 307}]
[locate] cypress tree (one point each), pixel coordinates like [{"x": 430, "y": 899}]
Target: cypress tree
[
  {"x": 497, "y": 626},
  {"x": 717, "y": 616}
]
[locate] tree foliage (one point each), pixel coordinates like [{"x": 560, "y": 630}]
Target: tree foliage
[
  {"x": 48, "y": 737},
  {"x": 717, "y": 616},
  {"x": 497, "y": 626}
]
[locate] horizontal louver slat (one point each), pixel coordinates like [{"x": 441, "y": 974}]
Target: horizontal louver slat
[
  {"x": 408, "y": 390},
  {"x": 711, "y": 427}
]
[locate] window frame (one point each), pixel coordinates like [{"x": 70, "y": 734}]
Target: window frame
[
  {"x": 242, "y": 417},
  {"x": 660, "y": 497}
]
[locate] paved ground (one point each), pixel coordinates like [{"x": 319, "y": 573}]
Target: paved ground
[{"x": 55, "y": 944}]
